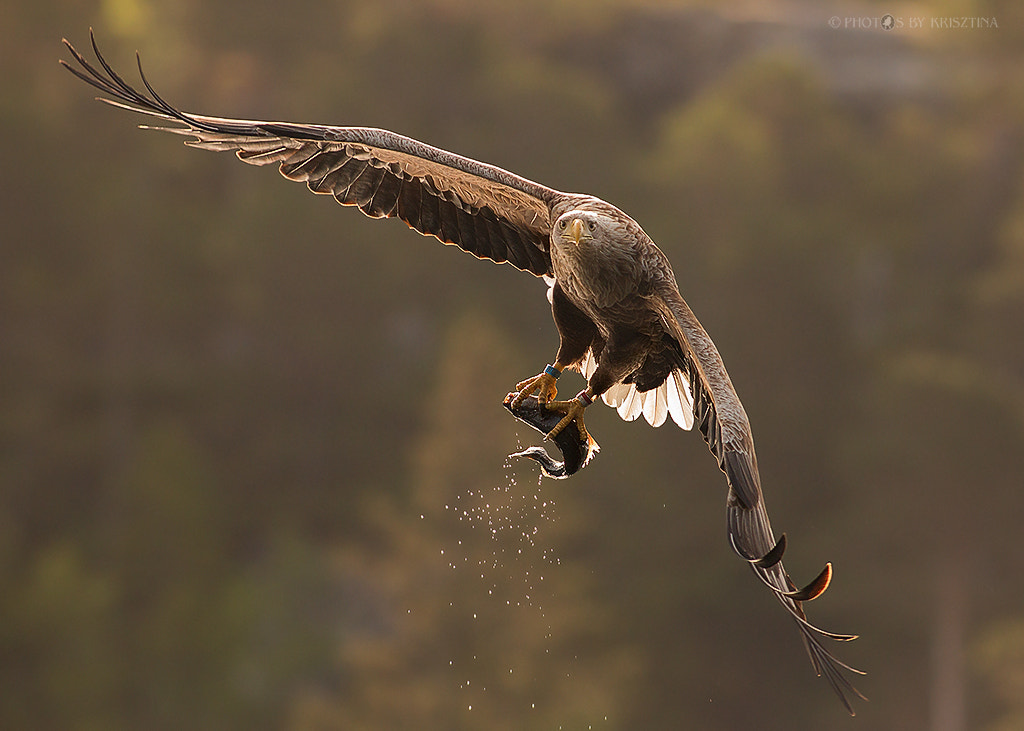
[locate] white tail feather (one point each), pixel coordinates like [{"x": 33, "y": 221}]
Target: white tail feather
[
  {"x": 632, "y": 405},
  {"x": 672, "y": 398},
  {"x": 616, "y": 394},
  {"x": 656, "y": 405},
  {"x": 588, "y": 365},
  {"x": 680, "y": 401}
]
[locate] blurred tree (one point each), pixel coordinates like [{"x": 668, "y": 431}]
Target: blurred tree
[
  {"x": 468, "y": 613},
  {"x": 998, "y": 655}
]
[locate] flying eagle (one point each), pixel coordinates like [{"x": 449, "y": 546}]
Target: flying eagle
[{"x": 620, "y": 318}]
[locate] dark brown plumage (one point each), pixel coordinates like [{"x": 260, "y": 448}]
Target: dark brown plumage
[{"x": 614, "y": 298}]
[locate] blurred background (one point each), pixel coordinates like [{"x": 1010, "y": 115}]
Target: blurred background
[{"x": 252, "y": 455}]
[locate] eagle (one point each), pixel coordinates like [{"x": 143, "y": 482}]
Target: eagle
[{"x": 621, "y": 320}]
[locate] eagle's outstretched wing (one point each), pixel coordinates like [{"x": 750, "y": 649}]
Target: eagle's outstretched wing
[
  {"x": 485, "y": 210},
  {"x": 723, "y": 422}
]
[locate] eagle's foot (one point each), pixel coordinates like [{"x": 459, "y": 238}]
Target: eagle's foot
[
  {"x": 573, "y": 410},
  {"x": 543, "y": 385}
]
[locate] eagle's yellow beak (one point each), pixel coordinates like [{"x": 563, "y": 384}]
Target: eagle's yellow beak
[{"x": 576, "y": 230}]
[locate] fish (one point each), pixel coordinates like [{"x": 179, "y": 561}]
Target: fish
[{"x": 576, "y": 449}]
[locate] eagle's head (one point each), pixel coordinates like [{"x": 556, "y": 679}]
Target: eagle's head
[{"x": 580, "y": 228}]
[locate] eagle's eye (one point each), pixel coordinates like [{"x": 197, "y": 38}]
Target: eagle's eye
[
  {"x": 591, "y": 225},
  {"x": 561, "y": 224}
]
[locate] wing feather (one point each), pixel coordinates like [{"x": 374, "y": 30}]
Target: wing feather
[
  {"x": 409, "y": 205},
  {"x": 384, "y": 201},
  {"x": 701, "y": 390},
  {"x": 467, "y": 232},
  {"x": 724, "y": 425},
  {"x": 449, "y": 227},
  {"x": 303, "y": 164},
  {"x": 362, "y": 188},
  {"x": 270, "y": 153},
  {"x": 373, "y": 169}
]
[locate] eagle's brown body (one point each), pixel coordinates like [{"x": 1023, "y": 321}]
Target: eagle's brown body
[
  {"x": 615, "y": 302},
  {"x": 606, "y": 295}
]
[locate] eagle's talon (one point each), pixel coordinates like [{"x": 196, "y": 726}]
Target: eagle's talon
[
  {"x": 542, "y": 384},
  {"x": 573, "y": 411}
]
